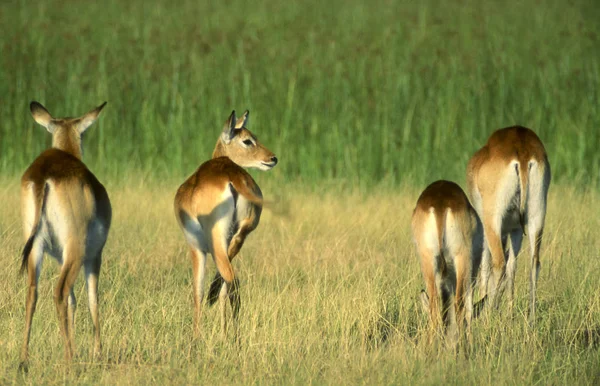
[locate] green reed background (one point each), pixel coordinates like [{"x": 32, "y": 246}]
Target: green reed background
[{"x": 357, "y": 91}]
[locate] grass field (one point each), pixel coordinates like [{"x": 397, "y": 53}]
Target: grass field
[
  {"x": 329, "y": 295},
  {"x": 346, "y": 90},
  {"x": 364, "y": 103}
]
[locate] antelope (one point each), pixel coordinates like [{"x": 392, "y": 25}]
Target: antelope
[
  {"x": 508, "y": 181},
  {"x": 449, "y": 239},
  {"x": 217, "y": 207},
  {"x": 66, "y": 214}
]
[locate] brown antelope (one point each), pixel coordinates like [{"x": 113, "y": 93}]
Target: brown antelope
[
  {"x": 449, "y": 239},
  {"x": 508, "y": 181},
  {"x": 217, "y": 207},
  {"x": 67, "y": 214}
]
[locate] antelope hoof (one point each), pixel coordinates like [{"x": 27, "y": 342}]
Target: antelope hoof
[{"x": 24, "y": 367}]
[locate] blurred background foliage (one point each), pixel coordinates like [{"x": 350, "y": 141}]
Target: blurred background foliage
[{"x": 364, "y": 93}]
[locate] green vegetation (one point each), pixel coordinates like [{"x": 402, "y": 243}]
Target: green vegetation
[
  {"x": 364, "y": 102},
  {"x": 355, "y": 91}
]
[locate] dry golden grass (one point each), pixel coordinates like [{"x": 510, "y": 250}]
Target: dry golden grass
[{"x": 329, "y": 285}]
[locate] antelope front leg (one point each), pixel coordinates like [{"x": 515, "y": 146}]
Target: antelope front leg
[
  {"x": 235, "y": 301},
  {"x": 71, "y": 307},
  {"x": 61, "y": 295},
  {"x": 92, "y": 274},
  {"x": 535, "y": 241},
  {"x": 238, "y": 239},
  {"x": 469, "y": 317},
  {"x": 514, "y": 246},
  {"x": 486, "y": 266},
  {"x": 223, "y": 294},
  {"x": 464, "y": 295},
  {"x": 33, "y": 271},
  {"x": 498, "y": 265}
]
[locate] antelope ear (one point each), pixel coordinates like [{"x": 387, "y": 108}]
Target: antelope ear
[
  {"x": 243, "y": 121},
  {"x": 229, "y": 128},
  {"x": 89, "y": 118},
  {"x": 41, "y": 116}
]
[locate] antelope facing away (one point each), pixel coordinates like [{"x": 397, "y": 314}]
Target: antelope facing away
[
  {"x": 508, "y": 181},
  {"x": 67, "y": 214},
  {"x": 217, "y": 207},
  {"x": 449, "y": 239}
]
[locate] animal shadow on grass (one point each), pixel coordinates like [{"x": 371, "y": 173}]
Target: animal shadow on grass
[
  {"x": 478, "y": 309},
  {"x": 589, "y": 338},
  {"x": 584, "y": 338},
  {"x": 388, "y": 325},
  {"x": 74, "y": 369}
]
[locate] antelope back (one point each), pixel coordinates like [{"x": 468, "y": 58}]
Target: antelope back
[{"x": 444, "y": 219}]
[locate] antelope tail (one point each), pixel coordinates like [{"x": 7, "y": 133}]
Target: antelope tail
[
  {"x": 523, "y": 174},
  {"x": 441, "y": 226}
]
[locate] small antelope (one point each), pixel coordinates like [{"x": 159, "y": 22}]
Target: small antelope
[
  {"x": 449, "y": 239},
  {"x": 508, "y": 181},
  {"x": 217, "y": 207},
  {"x": 67, "y": 214}
]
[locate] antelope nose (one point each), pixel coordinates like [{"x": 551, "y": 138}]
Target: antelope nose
[{"x": 274, "y": 160}]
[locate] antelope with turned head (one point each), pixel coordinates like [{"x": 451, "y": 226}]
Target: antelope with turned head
[
  {"x": 217, "y": 207},
  {"x": 66, "y": 214},
  {"x": 508, "y": 181},
  {"x": 449, "y": 239}
]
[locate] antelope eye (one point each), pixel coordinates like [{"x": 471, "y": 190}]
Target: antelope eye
[{"x": 248, "y": 142}]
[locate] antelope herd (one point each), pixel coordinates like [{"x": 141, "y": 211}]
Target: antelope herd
[
  {"x": 508, "y": 181},
  {"x": 67, "y": 214}
]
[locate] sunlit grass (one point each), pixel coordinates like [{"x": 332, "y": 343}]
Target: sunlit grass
[{"x": 329, "y": 295}]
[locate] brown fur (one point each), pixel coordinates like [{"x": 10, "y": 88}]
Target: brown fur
[
  {"x": 487, "y": 173},
  {"x": 221, "y": 188},
  {"x": 64, "y": 168},
  {"x": 450, "y": 267},
  {"x": 61, "y": 200},
  {"x": 503, "y": 146}
]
